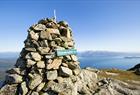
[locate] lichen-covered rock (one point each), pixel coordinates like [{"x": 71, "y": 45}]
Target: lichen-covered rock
[
  {"x": 52, "y": 75},
  {"x": 35, "y": 81},
  {"x": 8, "y": 89}
]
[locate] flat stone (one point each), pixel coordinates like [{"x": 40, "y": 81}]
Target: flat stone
[
  {"x": 30, "y": 49},
  {"x": 40, "y": 64},
  {"x": 39, "y": 27},
  {"x": 35, "y": 93},
  {"x": 33, "y": 35},
  {"x": 14, "y": 71},
  {"x": 65, "y": 64},
  {"x": 76, "y": 71},
  {"x": 55, "y": 64},
  {"x": 70, "y": 44},
  {"x": 49, "y": 55},
  {"x": 64, "y": 71},
  {"x": 45, "y": 35},
  {"x": 30, "y": 62},
  {"x": 43, "y": 50},
  {"x": 13, "y": 78},
  {"x": 44, "y": 93},
  {"x": 35, "y": 81},
  {"x": 52, "y": 75},
  {"x": 72, "y": 65},
  {"x": 53, "y": 31},
  {"x": 40, "y": 86},
  {"x": 36, "y": 56},
  {"x": 23, "y": 88},
  {"x": 74, "y": 58},
  {"x": 68, "y": 57}
]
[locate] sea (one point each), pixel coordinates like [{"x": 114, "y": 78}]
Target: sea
[
  {"x": 95, "y": 62},
  {"x": 108, "y": 62}
]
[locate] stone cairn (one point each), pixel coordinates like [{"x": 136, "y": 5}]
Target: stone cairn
[{"x": 49, "y": 55}]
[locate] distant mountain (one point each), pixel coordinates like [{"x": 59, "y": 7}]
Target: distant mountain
[{"x": 106, "y": 54}]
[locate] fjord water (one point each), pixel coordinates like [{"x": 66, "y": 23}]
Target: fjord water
[
  {"x": 108, "y": 62},
  {"x": 100, "y": 62}
]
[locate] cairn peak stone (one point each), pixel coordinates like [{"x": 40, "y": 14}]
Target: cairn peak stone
[
  {"x": 47, "y": 59},
  {"x": 39, "y": 27}
]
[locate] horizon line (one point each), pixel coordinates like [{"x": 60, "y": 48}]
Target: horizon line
[{"x": 83, "y": 51}]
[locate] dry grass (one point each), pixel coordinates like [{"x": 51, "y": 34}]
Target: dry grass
[{"x": 126, "y": 76}]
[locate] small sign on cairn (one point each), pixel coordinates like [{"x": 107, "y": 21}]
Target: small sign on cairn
[{"x": 49, "y": 56}]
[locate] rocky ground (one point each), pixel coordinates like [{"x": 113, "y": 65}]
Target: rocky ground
[{"x": 90, "y": 82}]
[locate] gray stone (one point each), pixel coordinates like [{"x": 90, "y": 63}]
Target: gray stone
[
  {"x": 36, "y": 56},
  {"x": 40, "y": 64},
  {"x": 8, "y": 89},
  {"x": 40, "y": 86},
  {"x": 39, "y": 27},
  {"x": 64, "y": 71},
  {"x": 65, "y": 64},
  {"x": 76, "y": 71},
  {"x": 74, "y": 58},
  {"x": 43, "y": 43},
  {"x": 53, "y": 31},
  {"x": 14, "y": 71},
  {"x": 13, "y": 78},
  {"x": 30, "y": 49},
  {"x": 33, "y": 35},
  {"x": 35, "y": 93},
  {"x": 49, "y": 55},
  {"x": 55, "y": 64},
  {"x": 137, "y": 71},
  {"x": 35, "y": 81},
  {"x": 45, "y": 35},
  {"x": 23, "y": 88},
  {"x": 43, "y": 50},
  {"x": 61, "y": 88},
  {"x": 30, "y": 62},
  {"x": 44, "y": 93},
  {"x": 52, "y": 75},
  {"x": 72, "y": 65}
]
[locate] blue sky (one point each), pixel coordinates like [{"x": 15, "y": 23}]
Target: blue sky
[{"x": 112, "y": 25}]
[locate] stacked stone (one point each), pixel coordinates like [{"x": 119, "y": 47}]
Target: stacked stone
[{"x": 38, "y": 63}]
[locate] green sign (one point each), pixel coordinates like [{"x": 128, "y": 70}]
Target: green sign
[{"x": 66, "y": 52}]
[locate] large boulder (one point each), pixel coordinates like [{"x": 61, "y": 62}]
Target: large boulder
[{"x": 136, "y": 69}]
